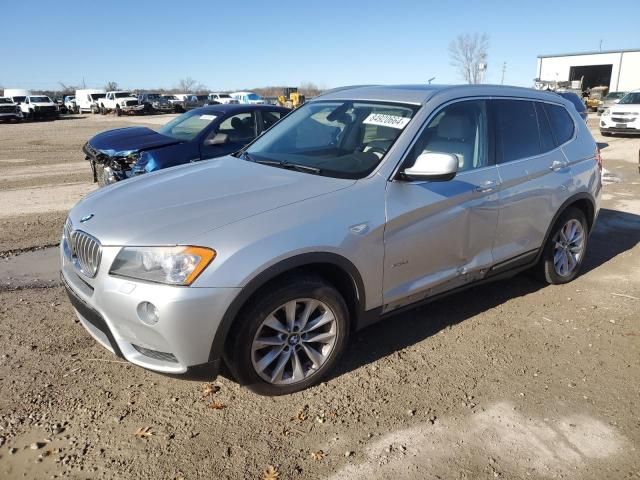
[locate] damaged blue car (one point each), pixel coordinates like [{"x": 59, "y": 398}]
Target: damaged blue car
[{"x": 200, "y": 134}]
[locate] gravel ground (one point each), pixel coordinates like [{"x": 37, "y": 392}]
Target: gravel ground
[{"x": 509, "y": 380}]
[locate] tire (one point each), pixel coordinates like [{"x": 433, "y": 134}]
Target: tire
[
  {"x": 244, "y": 353},
  {"x": 100, "y": 175},
  {"x": 605, "y": 134},
  {"x": 550, "y": 271}
]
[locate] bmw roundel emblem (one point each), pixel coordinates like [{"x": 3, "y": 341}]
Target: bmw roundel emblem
[{"x": 86, "y": 218}]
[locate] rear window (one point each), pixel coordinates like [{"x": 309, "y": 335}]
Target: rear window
[
  {"x": 517, "y": 130},
  {"x": 561, "y": 122}
]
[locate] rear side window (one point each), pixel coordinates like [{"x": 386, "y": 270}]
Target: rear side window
[
  {"x": 561, "y": 122},
  {"x": 547, "y": 142},
  {"x": 516, "y": 130}
]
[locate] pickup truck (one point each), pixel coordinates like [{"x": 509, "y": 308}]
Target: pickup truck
[
  {"x": 9, "y": 110},
  {"x": 121, "y": 102},
  {"x": 39, "y": 106}
]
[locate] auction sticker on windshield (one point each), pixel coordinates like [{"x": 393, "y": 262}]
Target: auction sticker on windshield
[
  {"x": 385, "y": 120},
  {"x": 207, "y": 117}
]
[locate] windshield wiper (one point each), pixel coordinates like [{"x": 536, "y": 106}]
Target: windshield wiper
[{"x": 290, "y": 166}]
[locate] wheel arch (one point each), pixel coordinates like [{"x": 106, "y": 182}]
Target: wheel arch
[
  {"x": 584, "y": 202},
  {"x": 334, "y": 268}
]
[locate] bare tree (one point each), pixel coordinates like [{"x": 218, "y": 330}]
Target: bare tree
[
  {"x": 67, "y": 89},
  {"x": 468, "y": 53},
  {"x": 187, "y": 85},
  {"x": 111, "y": 86}
]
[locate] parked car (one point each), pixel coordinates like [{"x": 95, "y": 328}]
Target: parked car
[
  {"x": 154, "y": 102},
  {"x": 9, "y": 110},
  {"x": 611, "y": 99},
  {"x": 223, "y": 98},
  {"x": 62, "y": 109},
  {"x": 120, "y": 101},
  {"x": 70, "y": 104},
  {"x": 199, "y": 134},
  {"x": 623, "y": 117},
  {"x": 577, "y": 102},
  {"x": 174, "y": 101},
  {"x": 38, "y": 107},
  {"x": 355, "y": 206},
  {"x": 88, "y": 100},
  {"x": 185, "y": 102},
  {"x": 248, "y": 98}
]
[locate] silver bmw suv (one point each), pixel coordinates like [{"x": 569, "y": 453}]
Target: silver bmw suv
[{"x": 357, "y": 205}]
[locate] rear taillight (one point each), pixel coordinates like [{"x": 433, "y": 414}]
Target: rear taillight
[{"x": 599, "y": 158}]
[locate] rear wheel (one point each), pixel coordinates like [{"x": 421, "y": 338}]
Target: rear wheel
[
  {"x": 290, "y": 336},
  {"x": 565, "y": 249}
]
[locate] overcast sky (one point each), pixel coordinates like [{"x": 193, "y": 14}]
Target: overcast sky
[{"x": 233, "y": 45}]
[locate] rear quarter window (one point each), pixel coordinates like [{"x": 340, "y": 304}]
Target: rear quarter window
[{"x": 561, "y": 122}]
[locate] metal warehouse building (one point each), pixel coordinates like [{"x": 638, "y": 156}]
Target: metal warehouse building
[{"x": 617, "y": 69}]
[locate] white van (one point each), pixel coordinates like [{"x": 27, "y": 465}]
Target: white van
[
  {"x": 248, "y": 98},
  {"x": 87, "y": 99}
]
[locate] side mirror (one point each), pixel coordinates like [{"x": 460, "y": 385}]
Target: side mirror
[
  {"x": 218, "y": 139},
  {"x": 434, "y": 166}
]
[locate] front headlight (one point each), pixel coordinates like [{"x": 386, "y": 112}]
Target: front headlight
[
  {"x": 170, "y": 265},
  {"x": 607, "y": 112}
]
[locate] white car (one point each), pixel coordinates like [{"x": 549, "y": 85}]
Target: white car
[
  {"x": 121, "y": 102},
  {"x": 248, "y": 98},
  {"x": 9, "y": 110},
  {"x": 88, "y": 100},
  {"x": 623, "y": 117},
  {"x": 223, "y": 98},
  {"x": 39, "y": 106}
]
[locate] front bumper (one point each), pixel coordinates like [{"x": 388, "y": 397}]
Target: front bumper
[
  {"x": 179, "y": 343},
  {"x": 622, "y": 124},
  {"x": 11, "y": 116}
]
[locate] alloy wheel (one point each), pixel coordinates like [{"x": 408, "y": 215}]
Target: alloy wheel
[
  {"x": 294, "y": 341},
  {"x": 568, "y": 247}
]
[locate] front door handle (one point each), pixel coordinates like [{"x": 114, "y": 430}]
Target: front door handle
[
  {"x": 488, "y": 186},
  {"x": 558, "y": 165}
]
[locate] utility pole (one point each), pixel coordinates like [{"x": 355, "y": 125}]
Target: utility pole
[
  {"x": 600, "y": 45},
  {"x": 504, "y": 69}
]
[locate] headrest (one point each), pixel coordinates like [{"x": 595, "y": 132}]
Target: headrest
[{"x": 452, "y": 126}]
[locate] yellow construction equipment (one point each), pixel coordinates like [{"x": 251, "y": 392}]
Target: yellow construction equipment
[{"x": 291, "y": 98}]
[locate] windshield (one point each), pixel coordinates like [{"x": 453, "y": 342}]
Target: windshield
[
  {"x": 253, "y": 96},
  {"x": 19, "y": 99},
  {"x": 96, "y": 96},
  {"x": 202, "y": 97},
  {"x": 630, "y": 98},
  {"x": 614, "y": 95},
  {"x": 170, "y": 97},
  {"x": 187, "y": 126},
  {"x": 224, "y": 95},
  {"x": 153, "y": 96},
  {"x": 5, "y": 100},
  {"x": 39, "y": 99},
  {"x": 341, "y": 139},
  {"x": 123, "y": 94}
]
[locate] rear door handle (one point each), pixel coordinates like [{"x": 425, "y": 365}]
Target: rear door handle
[
  {"x": 558, "y": 165},
  {"x": 488, "y": 186}
]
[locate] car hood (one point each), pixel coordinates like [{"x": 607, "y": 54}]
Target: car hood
[
  {"x": 123, "y": 141},
  {"x": 176, "y": 205},
  {"x": 625, "y": 107}
]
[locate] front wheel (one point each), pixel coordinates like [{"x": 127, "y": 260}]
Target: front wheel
[
  {"x": 290, "y": 336},
  {"x": 118, "y": 111},
  {"x": 565, "y": 248}
]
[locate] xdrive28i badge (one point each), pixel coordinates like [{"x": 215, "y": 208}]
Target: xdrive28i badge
[{"x": 86, "y": 218}]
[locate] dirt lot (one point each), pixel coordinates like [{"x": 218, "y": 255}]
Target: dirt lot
[{"x": 510, "y": 380}]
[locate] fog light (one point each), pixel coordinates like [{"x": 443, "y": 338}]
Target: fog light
[{"x": 148, "y": 313}]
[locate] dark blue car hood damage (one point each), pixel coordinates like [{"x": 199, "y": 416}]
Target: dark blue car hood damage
[{"x": 128, "y": 140}]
